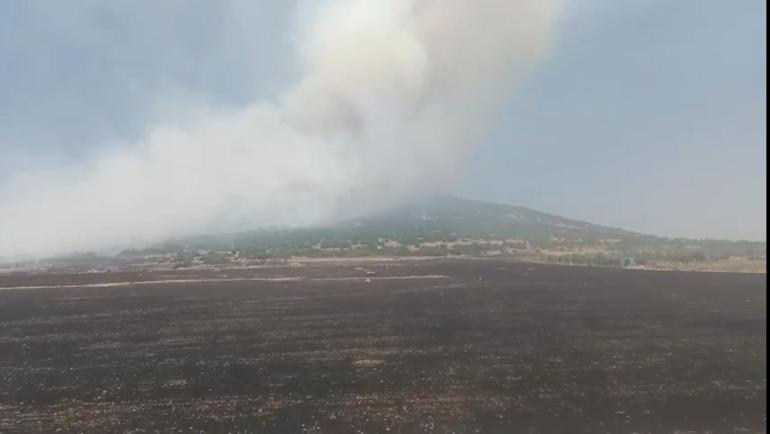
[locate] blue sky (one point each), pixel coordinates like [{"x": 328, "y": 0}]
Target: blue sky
[{"x": 647, "y": 115}]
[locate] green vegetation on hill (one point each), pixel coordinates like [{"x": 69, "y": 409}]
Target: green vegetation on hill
[{"x": 443, "y": 225}]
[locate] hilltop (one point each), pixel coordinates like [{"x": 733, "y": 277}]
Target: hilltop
[
  {"x": 435, "y": 226},
  {"x": 442, "y": 225}
]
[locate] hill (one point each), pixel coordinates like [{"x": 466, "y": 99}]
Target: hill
[{"x": 442, "y": 225}]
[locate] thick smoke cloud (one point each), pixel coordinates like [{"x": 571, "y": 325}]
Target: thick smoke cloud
[{"x": 392, "y": 93}]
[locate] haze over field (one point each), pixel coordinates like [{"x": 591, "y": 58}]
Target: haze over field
[
  {"x": 444, "y": 216},
  {"x": 126, "y": 123}
]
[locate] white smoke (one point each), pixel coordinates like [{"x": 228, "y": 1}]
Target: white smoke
[{"x": 392, "y": 92}]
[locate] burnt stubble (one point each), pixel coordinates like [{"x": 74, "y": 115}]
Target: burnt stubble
[{"x": 465, "y": 346}]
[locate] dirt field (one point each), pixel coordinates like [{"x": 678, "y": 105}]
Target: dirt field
[{"x": 430, "y": 346}]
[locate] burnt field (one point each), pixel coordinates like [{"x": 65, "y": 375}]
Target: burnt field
[{"x": 414, "y": 346}]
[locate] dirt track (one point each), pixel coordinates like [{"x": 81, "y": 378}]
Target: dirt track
[{"x": 493, "y": 347}]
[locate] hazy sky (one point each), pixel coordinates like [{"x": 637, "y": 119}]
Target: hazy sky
[{"x": 647, "y": 115}]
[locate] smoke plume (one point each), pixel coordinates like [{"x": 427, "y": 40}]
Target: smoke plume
[{"x": 391, "y": 94}]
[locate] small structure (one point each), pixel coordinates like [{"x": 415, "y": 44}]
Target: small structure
[{"x": 627, "y": 262}]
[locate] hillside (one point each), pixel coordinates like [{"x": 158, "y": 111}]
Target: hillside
[
  {"x": 442, "y": 225},
  {"x": 442, "y": 217}
]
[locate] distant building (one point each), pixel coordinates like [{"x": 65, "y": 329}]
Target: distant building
[{"x": 628, "y": 262}]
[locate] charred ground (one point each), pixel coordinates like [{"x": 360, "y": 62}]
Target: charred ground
[{"x": 402, "y": 346}]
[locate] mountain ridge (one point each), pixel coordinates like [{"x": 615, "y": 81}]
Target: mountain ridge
[
  {"x": 445, "y": 225},
  {"x": 437, "y": 225}
]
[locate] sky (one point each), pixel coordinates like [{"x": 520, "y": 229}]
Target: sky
[
  {"x": 648, "y": 115},
  {"x": 645, "y": 115}
]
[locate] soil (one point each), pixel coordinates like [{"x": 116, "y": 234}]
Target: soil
[{"x": 439, "y": 346}]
